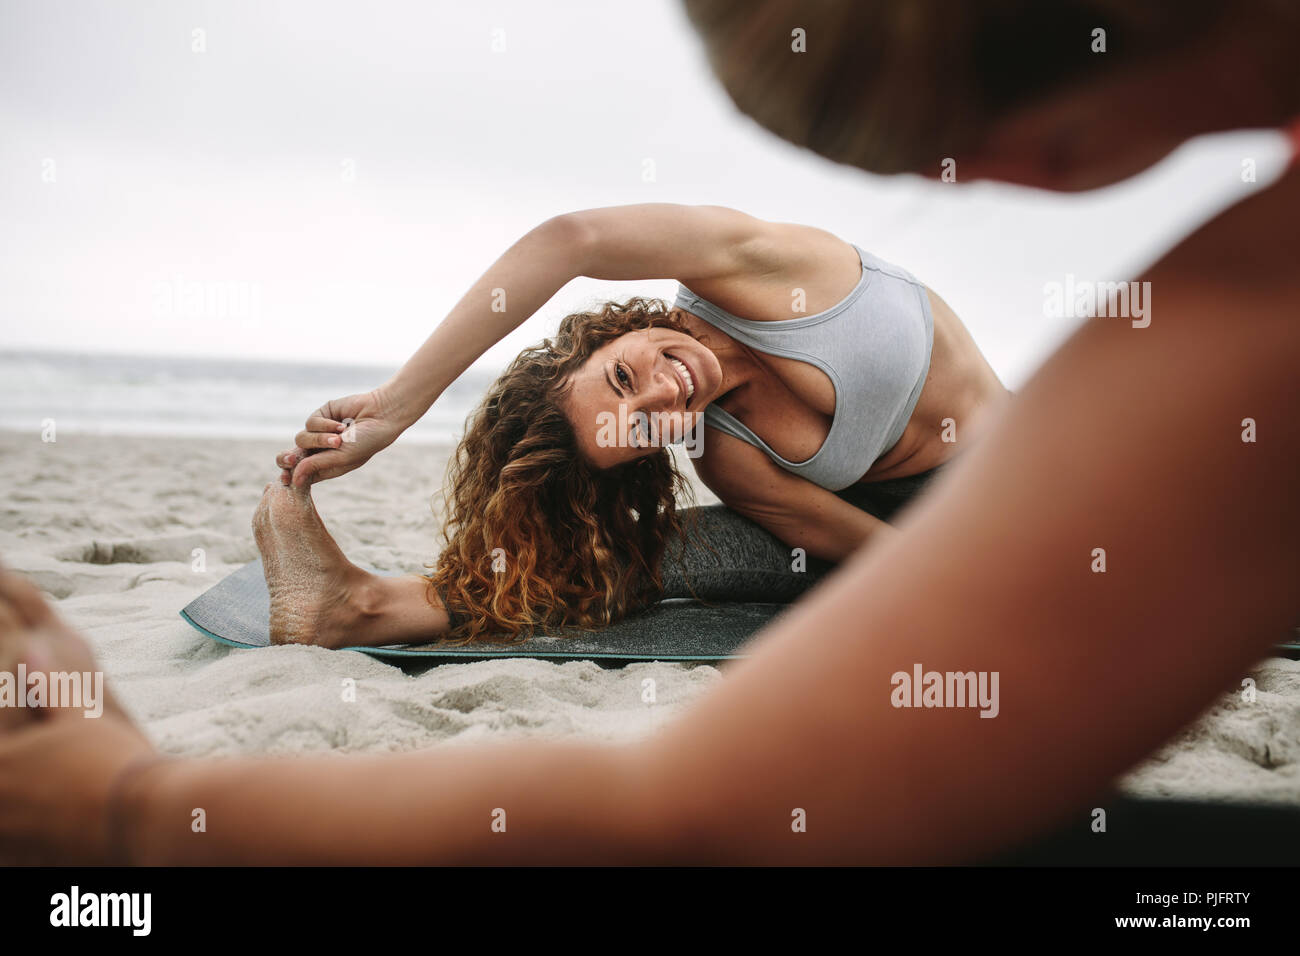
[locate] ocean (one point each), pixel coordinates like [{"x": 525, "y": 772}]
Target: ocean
[{"x": 221, "y": 398}]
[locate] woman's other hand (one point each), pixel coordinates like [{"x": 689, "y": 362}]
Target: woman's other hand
[{"x": 61, "y": 761}]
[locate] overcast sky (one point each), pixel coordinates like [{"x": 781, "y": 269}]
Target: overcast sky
[{"x": 341, "y": 172}]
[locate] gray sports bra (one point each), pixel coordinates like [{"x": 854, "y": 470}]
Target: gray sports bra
[{"x": 874, "y": 346}]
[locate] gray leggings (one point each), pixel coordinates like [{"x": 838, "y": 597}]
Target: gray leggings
[
  {"x": 729, "y": 558},
  {"x": 725, "y": 557}
]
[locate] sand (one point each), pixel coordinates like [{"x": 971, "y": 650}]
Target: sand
[{"x": 108, "y": 527}]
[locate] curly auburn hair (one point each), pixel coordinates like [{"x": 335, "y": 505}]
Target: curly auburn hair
[{"x": 535, "y": 535}]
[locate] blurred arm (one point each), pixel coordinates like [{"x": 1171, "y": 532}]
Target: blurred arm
[{"x": 1128, "y": 440}]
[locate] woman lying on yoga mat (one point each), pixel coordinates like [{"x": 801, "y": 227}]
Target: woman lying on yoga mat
[
  {"x": 1128, "y": 440},
  {"x": 816, "y": 388}
]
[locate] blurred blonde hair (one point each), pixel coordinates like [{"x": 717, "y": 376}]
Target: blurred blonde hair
[{"x": 896, "y": 86}]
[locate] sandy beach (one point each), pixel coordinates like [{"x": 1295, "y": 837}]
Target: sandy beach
[{"x": 109, "y": 526}]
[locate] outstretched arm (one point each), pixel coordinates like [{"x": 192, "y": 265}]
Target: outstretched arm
[
  {"x": 654, "y": 240},
  {"x": 650, "y": 241}
]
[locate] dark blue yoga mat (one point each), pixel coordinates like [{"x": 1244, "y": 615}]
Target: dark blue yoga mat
[{"x": 236, "y": 611}]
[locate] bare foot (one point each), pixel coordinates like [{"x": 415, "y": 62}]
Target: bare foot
[{"x": 317, "y": 595}]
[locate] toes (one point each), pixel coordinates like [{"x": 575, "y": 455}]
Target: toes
[{"x": 287, "y": 459}]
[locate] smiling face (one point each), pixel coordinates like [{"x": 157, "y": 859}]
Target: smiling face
[{"x": 639, "y": 392}]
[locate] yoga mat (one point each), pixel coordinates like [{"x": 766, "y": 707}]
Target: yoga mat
[{"x": 236, "y": 611}]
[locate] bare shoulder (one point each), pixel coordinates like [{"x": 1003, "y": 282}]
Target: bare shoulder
[
  {"x": 777, "y": 257},
  {"x": 1248, "y": 250},
  {"x": 798, "y": 248},
  {"x": 764, "y": 246},
  {"x": 692, "y": 244}
]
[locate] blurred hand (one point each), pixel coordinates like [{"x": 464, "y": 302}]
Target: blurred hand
[
  {"x": 59, "y": 762},
  {"x": 339, "y": 436}
]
